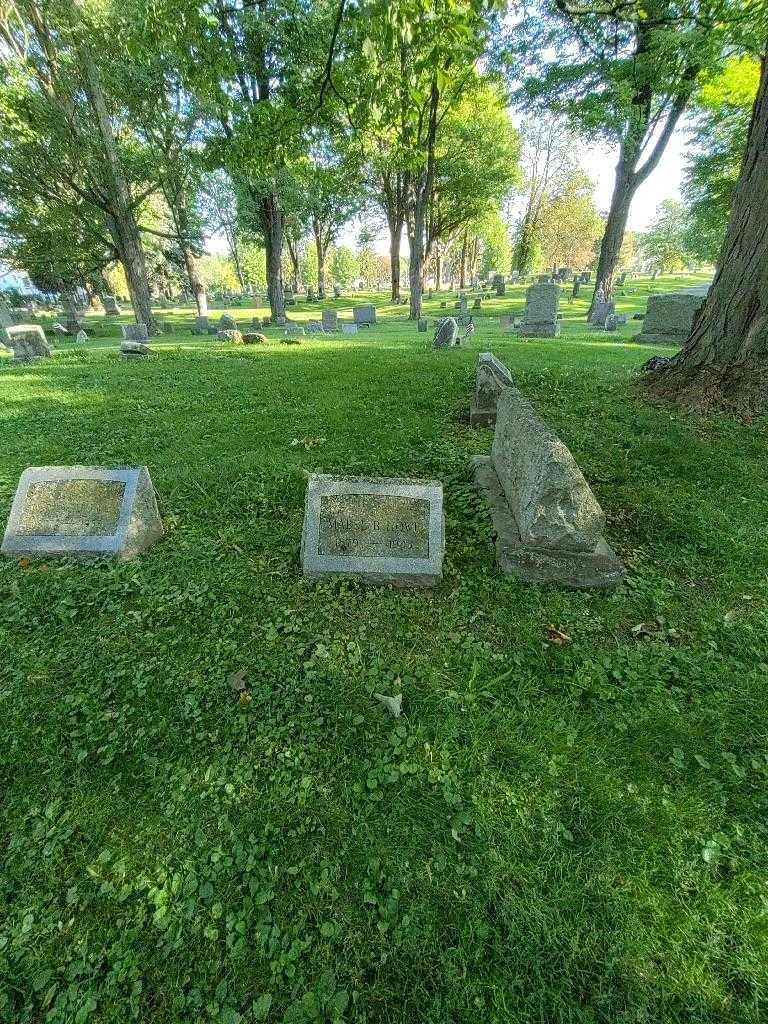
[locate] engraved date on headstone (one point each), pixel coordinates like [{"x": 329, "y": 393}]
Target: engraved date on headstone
[
  {"x": 72, "y": 508},
  {"x": 374, "y": 526}
]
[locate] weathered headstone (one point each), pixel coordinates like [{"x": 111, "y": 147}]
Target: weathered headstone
[
  {"x": 135, "y": 332},
  {"x": 134, "y": 349},
  {"x": 548, "y": 523},
  {"x": 83, "y": 510},
  {"x": 111, "y": 307},
  {"x": 461, "y": 305},
  {"x": 231, "y": 337},
  {"x": 364, "y": 316},
  {"x": 542, "y": 302},
  {"x": 446, "y": 333},
  {"x": 81, "y": 337},
  {"x": 423, "y": 324},
  {"x": 349, "y": 328},
  {"x": 498, "y": 284},
  {"x": 201, "y": 325},
  {"x": 586, "y": 276},
  {"x": 565, "y": 273},
  {"x": 576, "y": 288},
  {"x": 477, "y": 304},
  {"x": 670, "y": 318},
  {"x": 330, "y": 320},
  {"x": 227, "y": 322},
  {"x": 506, "y": 322},
  {"x": 27, "y": 342},
  {"x": 492, "y": 377},
  {"x": 383, "y": 530},
  {"x": 313, "y": 326},
  {"x": 337, "y": 291}
]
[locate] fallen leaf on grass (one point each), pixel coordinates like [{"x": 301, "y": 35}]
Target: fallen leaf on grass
[
  {"x": 394, "y": 705},
  {"x": 307, "y": 442},
  {"x": 237, "y": 680},
  {"x": 557, "y": 636}
]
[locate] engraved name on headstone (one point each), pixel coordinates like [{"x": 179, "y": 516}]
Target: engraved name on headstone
[
  {"x": 83, "y": 510},
  {"x": 384, "y": 530}
]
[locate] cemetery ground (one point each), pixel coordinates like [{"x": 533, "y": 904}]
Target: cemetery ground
[{"x": 208, "y": 817}]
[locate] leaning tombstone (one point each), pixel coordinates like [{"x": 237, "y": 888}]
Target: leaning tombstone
[
  {"x": 82, "y": 511},
  {"x": 382, "y": 530},
  {"x": 27, "y": 342},
  {"x": 548, "y": 523},
  {"x": 669, "y": 318},
  {"x": 491, "y": 379},
  {"x": 330, "y": 320},
  {"x": 364, "y": 316},
  {"x": 135, "y": 332},
  {"x": 446, "y": 333},
  {"x": 542, "y": 302}
]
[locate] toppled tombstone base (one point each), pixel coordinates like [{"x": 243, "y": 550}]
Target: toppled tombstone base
[{"x": 600, "y": 569}]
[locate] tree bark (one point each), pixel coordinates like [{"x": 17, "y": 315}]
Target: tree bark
[
  {"x": 292, "y": 246},
  {"x": 322, "y": 251},
  {"x": 724, "y": 363},
  {"x": 615, "y": 226},
  {"x": 195, "y": 281},
  {"x": 438, "y": 267},
  {"x": 273, "y": 239},
  {"x": 463, "y": 265},
  {"x": 422, "y": 193},
  {"x": 395, "y": 239},
  {"x": 120, "y": 214}
]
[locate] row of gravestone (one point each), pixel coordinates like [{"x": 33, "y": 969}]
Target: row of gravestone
[{"x": 548, "y": 523}]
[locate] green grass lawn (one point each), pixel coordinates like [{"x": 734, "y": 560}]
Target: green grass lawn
[{"x": 550, "y": 833}]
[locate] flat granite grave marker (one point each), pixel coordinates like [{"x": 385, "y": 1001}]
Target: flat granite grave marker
[
  {"x": 83, "y": 511},
  {"x": 548, "y": 523},
  {"x": 542, "y": 302},
  {"x": 383, "y": 530},
  {"x": 492, "y": 377}
]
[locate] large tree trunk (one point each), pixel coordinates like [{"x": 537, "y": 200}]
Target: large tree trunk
[
  {"x": 120, "y": 215},
  {"x": 624, "y": 189},
  {"x": 463, "y": 266},
  {"x": 724, "y": 363},
  {"x": 422, "y": 195},
  {"x": 273, "y": 242}
]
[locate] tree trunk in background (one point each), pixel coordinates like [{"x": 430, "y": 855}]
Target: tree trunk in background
[
  {"x": 438, "y": 267},
  {"x": 273, "y": 242},
  {"x": 120, "y": 215},
  {"x": 423, "y": 185},
  {"x": 615, "y": 226},
  {"x": 463, "y": 266},
  {"x": 322, "y": 252},
  {"x": 724, "y": 363},
  {"x": 195, "y": 281},
  {"x": 395, "y": 222},
  {"x": 293, "y": 254}
]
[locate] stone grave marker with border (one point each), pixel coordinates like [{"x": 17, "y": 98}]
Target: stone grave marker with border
[
  {"x": 542, "y": 302},
  {"x": 384, "y": 530},
  {"x": 364, "y": 316},
  {"x": 83, "y": 511}
]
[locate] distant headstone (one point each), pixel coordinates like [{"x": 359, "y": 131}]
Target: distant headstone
[
  {"x": 27, "y": 342},
  {"x": 621, "y": 280},
  {"x": 423, "y": 325},
  {"x": 81, "y": 337},
  {"x": 330, "y": 320},
  {"x": 111, "y": 307},
  {"x": 670, "y": 317},
  {"x": 586, "y": 277},
  {"x": 544, "y": 278},
  {"x": 364, "y": 316},
  {"x": 135, "y": 332},
  {"x": 576, "y": 288},
  {"x": 231, "y": 337},
  {"x": 227, "y": 322},
  {"x": 311, "y": 295},
  {"x": 201, "y": 325},
  {"x": 349, "y": 328},
  {"x": 313, "y": 326},
  {"x": 383, "y": 530},
  {"x": 499, "y": 285},
  {"x": 83, "y": 510},
  {"x": 446, "y": 333},
  {"x": 337, "y": 291},
  {"x": 134, "y": 350},
  {"x": 542, "y": 302},
  {"x": 506, "y": 322},
  {"x": 294, "y": 330},
  {"x": 565, "y": 273},
  {"x": 289, "y": 298},
  {"x": 461, "y": 305},
  {"x": 491, "y": 379},
  {"x": 477, "y": 304},
  {"x": 548, "y": 523}
]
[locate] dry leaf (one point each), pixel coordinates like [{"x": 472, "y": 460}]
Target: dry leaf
[
  {"x": 237, "y": 680},
  {"x": 394, "y": 705},
  {"x": 557, "y": 637}
]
